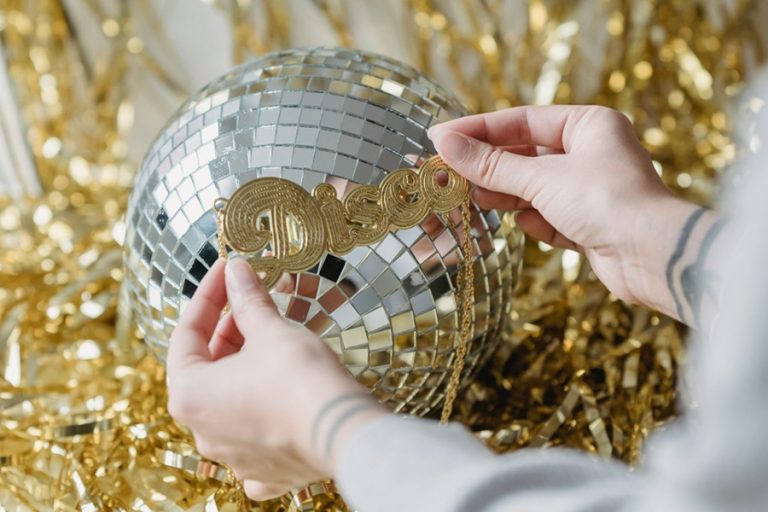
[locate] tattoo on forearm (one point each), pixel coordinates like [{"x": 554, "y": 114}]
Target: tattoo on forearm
[
  {"x": 328, "y": 407},
  {"x": 682, "y": 242},
  {"x": 330, "y": 437},
  {"x": 698, "y": 282}
]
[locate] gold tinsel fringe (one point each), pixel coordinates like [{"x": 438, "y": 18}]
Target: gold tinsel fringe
[{"x": 83, "y": 423}]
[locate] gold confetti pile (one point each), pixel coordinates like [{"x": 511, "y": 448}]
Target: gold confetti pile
[{"x": 83, "y": 423}]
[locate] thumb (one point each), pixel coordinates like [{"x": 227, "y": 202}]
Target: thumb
[
  {"x": 250, "y": 301},
  {"x": 489, "y": 166}
]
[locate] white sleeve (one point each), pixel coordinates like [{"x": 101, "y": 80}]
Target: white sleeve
[{"x": 408, "y": 464}]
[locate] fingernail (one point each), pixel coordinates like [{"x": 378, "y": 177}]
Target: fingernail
[
  {"x": 432, "y": 131},
  {"x": 239, "y": 275},
  {"x": 453, "y": 147}
]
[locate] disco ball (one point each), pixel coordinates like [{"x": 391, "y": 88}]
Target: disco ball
[{"x": 323, "y": 115}]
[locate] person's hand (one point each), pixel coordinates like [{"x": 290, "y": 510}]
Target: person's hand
[
  {"x": 263, "y": 395},
  {"x": 582, "y": 181}
]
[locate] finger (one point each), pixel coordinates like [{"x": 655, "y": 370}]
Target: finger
[
  {"x": 249, "y": 299},
  {"x": 413, "y": 159},
  {"x": 493, "y": 168},
  {"x": 531, "y": 150},
  {"x": 544, "y": 150},
  {"x": 227, "y": 338},
  {"x": 189, "y": 342},
  {"x": 286, "y": 283},
  {"x": 538, "y": 125},
  {"x": 432, "y": 225},
  {"x": 520, "y": 149},
  {"x": 533, "y": 224},
  {"x": 491, "y": 200},
  {"x": 260, "y": 491}
]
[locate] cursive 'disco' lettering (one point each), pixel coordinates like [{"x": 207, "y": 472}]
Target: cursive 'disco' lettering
[{"x": 280, "y": 227}]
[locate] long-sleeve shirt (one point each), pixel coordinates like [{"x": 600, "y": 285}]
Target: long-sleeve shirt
[{"x": 714, "y": 458}]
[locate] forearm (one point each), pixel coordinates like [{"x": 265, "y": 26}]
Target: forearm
[{"x": 675, "y": 247}]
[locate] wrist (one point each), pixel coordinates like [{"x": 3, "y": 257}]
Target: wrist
[
  {"x": 660, "y": 228},
  {"x": 333, "y": 414},
  {"x": 349, "y": 422}
]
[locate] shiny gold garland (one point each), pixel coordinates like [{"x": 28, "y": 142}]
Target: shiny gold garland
[{"x": 83, "y": 423}]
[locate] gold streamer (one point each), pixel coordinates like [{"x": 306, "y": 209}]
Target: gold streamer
[{"x": 83, "y": 423}]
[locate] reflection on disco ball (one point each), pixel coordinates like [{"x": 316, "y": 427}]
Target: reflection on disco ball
[{"x": 312, "y": 116}]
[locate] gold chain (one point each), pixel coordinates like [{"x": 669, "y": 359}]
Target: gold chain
[
  {"x": 465, "y": 299},
  {"x": 218, "y": 208}
]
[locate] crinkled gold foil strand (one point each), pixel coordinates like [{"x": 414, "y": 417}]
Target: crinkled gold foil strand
[{"x": 83, "y": 422}]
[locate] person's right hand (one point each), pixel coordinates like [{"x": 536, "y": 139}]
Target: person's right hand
[{"x": 581, "y": 180}]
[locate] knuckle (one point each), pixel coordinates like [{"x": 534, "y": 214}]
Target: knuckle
[
  {"x": 490, "y": 161},
  {"x": 598, "y": 121},
  {"x": 610, "y": 117},
  {"x": 601, "y": 111}
]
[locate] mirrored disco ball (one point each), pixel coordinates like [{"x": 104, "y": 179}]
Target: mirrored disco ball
[{"x": 312, "y": 116}]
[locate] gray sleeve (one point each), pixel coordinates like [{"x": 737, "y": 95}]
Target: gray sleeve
[{"x": 408, "y": 464}]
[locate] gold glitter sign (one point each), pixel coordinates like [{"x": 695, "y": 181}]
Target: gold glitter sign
[{"x": 281, "y": 227}]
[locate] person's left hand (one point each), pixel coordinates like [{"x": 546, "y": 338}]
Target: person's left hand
[{"x": 263, "y": 395}]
